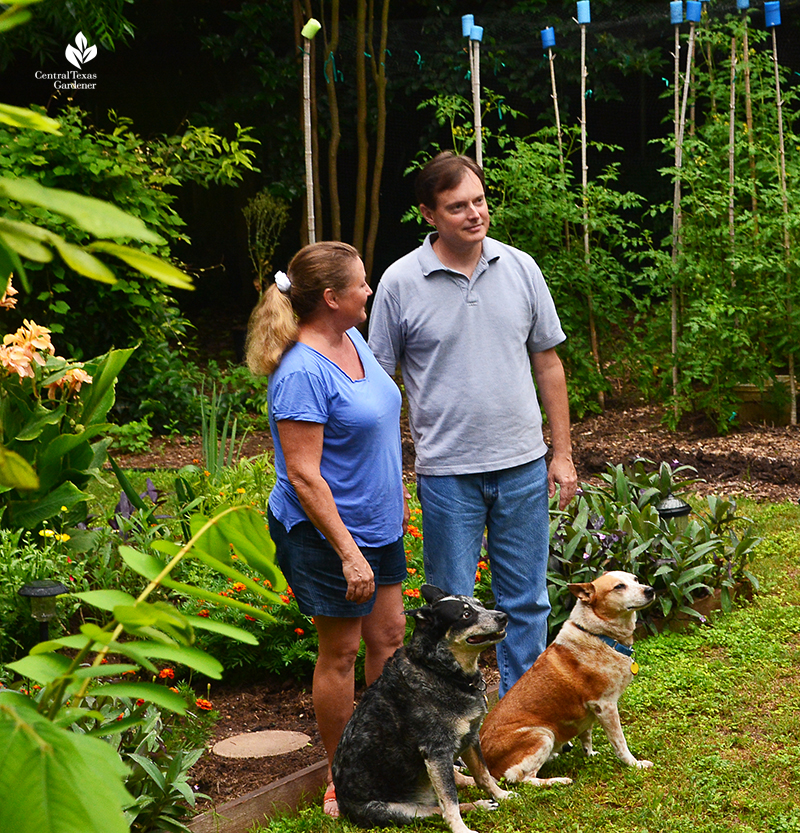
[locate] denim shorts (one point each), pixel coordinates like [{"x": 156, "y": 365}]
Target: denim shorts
[{"x": 314, "y": 570}]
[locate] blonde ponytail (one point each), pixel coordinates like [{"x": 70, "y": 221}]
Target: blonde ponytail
[{"x": 272, "y": 329}]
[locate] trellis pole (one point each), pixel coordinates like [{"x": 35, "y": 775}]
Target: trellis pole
[
  {"x": 693, "y": 15},
  {"x": 548, "y": 43},
  {"x": 308, "y": 31},
  {"x": 584, "y": 18},
  {"x": 743, "y": 6},
  {"x": 772, "y": 19},
  {"x": 475, "y": 38}
]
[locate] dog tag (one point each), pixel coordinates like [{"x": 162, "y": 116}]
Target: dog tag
[{"x": 634, "y": 668}]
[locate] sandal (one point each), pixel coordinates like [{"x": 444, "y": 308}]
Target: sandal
[{"x": 329, "y": 804}]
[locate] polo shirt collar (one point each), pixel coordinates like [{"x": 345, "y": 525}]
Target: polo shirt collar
[{"x": 430, "y": 263}]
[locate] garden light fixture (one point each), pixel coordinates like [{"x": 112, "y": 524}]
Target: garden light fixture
[
  {"x": 42, "y": 594},
  {"x": 673, "y": 507}
]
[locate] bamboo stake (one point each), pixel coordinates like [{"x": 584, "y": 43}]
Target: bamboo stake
[
  {"x": 309, "y": 30},
  {"x": 584, "y": 17},
  {"x": 731, "y": 160},
  {"x": 748, "y": 116},
  {"x": 475, "y": 44},
  {"x": 785, "y": 202},
  {"x": 676, "y": 216},
  {"x": 548, "y": 41},
  {"x": 677, "y": 220}
]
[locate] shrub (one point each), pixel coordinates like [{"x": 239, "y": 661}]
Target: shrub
[{"x": 616, "y": 526}]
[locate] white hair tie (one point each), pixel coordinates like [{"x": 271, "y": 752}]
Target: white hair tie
[{"x": 283, "y": 283}]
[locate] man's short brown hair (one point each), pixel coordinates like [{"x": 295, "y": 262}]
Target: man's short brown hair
[{"x": 443, "y": 173}]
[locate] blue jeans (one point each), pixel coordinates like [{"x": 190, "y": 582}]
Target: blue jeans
[{"x": 512, "y": 506}]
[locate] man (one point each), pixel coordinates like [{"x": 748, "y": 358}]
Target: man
[{"x": 468, "y": 317}]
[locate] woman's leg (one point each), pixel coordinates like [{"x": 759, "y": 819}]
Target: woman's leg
[
  {"x": 333, "y": 689},
  {"x": 383, "y": 629}
]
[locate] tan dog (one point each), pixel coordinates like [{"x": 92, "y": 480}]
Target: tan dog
[{"x": 575, "y": 682}]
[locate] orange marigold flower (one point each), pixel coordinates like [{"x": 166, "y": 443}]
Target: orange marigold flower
[
  {"x": 204, "y": 613},
  {"x": 413, "y": 531},
  {"x": 290, "y": 591},
  {"x": 239, "y": 586},
  {"x": 249, "y": 618},
  {"x": 267, "y": 583},
  {"x": 166, "y": 674},
  {"x": 285, "y": 599},
  {"x": 477, "y": 575},
  {"x": 412, "y": 571},
  {"x": 140, "y": 702},
  {"x": 206, "y": 705},
  {"x": 299, "y": 631},
  {"x": 412, "y": 592},
  {"x": 482, "y": 565},
  {"x": 172, "y": 688}
]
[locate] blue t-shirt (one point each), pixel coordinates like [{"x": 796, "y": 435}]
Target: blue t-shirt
[{"x": 361, "y": 452}]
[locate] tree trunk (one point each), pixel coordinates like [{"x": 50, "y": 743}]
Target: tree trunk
[
  {"x": 361, "y": 126},
  {"x": 336, "y": 133},
  {"x": 379, "y": 77}
]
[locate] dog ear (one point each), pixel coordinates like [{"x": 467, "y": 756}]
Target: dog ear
[
  {"x": 583, "y": 591},
  {"x": 431, "y": 594}
]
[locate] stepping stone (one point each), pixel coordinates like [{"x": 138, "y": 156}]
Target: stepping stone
[{"x": 260, "y": 744}]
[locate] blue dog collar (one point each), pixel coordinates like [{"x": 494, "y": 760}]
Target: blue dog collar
[{"x": 612, "y": 643}]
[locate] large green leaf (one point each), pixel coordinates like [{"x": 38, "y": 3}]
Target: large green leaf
[
  {"x": 42, "y": 669},
  {"x": 209, "y": 624},
  {"x": 152, "y": 692},
  {"x": 146, "y": 263},
  {"x": 22, "y": 117},
  {"x": 23, "y": 244},
  {"x": 10, "y": 263},
  {"x": 105, "y": 599},
  {"x": 40, "y": 418},
  {"x": 99, "y": 218},
  {"x": 142, "y": 617},
  {"x": 99, "y": 398},
  {"x": 16, "y": 472},
  {"x": 183, "y": 655},
  {"x": 82, "y": 262},
  {"x": 53, "y": 780},
  {"x": 31, "y": 513},
  {"x": 246, "y": 531}
]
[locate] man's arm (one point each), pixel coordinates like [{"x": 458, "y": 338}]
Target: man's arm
[
  {"x": 552, "y": 384},
  {"x": 385, "y": 331}
]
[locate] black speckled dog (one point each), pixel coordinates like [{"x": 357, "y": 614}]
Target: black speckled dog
[{"x": 394, "y": 762}]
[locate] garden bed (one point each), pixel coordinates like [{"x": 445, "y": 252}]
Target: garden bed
[{"x": 758, "y": 461}]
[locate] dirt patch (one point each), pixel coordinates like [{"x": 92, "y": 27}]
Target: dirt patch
[{"x": 757, "y": 461}]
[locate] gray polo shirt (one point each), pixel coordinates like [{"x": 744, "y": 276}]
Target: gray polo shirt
[{"x": 463, "y": 347}]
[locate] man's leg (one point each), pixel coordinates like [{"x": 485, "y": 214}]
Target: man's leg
[
  {"x": 453, "y": 522},
  {"x": 518, "y": 537}
]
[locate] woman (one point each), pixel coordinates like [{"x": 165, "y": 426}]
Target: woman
[{"x": 337, "y": 512}]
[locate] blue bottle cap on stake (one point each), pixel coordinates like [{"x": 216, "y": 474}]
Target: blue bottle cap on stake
[
  {"x": 548, "y": 38},
  {"x": 676, "y": 12},
  {"x": 467, "y": 22},
  {"x": 772, "y": 14},
  {"x": 694, "y": 11},
  {"x": 584, "y": 12},
  {"x": 476, "y": 33},
  {"x": 742, "y": 4}
]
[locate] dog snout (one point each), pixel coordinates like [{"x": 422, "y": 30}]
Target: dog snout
[
  {"x": 649, "y": 593},
  {"x": 501, "y": 618}
]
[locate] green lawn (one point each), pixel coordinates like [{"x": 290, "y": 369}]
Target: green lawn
[{"x": 715, "y": 709}]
